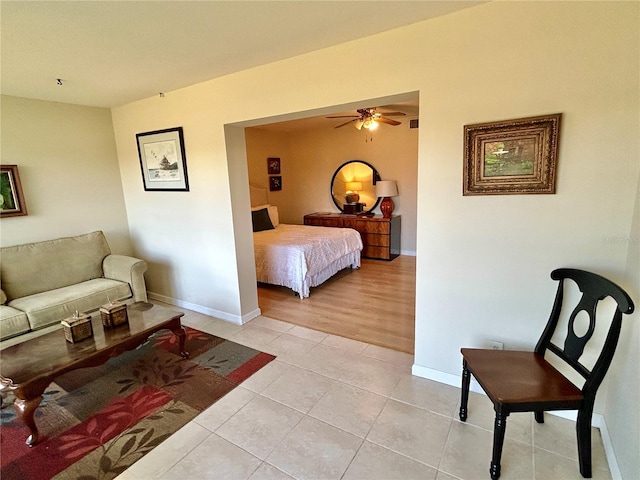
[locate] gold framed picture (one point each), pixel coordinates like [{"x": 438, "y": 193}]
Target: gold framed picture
[
  {"x": 11, "y": 197},
  {"x": 511, "y": 156}
]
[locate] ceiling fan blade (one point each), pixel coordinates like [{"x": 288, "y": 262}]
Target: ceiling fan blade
[
  {"x": 392, "y": 114},
  {"x": 345, "y": 123},
  {"x": 388, "y": 121}
]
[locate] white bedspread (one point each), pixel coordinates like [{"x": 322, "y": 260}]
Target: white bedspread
[{"x": 300, "y": 257}]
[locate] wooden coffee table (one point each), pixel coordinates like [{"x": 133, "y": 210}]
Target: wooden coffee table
[{"x": 29, "y": 367}]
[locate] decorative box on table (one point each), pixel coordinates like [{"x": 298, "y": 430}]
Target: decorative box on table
[
  {"x": 77, "y": 328},
  {"x": 113, "y": 314},
  {"x": 351, "y": 208}
]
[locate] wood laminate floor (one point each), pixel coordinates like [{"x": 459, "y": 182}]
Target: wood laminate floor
[{"x": 374, "y": 304}]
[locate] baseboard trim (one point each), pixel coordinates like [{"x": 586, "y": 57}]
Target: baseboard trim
[
  {"x": 227, "y": 317},
  {"x": 598, "y": 421}
]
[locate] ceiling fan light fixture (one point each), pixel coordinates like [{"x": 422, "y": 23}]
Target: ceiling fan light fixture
[{"x": 369, "y": 119}]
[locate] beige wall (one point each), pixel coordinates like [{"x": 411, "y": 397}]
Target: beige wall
[
  {"x": 310, "y": 158},
  {"x": 69, "y": 172},
  {"x": 623, "y": 379},
  {"x": 483, "y": 262},
  {"x": 260, "y": 145}
]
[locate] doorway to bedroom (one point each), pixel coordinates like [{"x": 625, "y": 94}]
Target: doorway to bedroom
[{"x": 375, "y": 304}]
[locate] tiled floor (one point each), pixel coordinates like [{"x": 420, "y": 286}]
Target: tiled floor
[{"x": 333, "y": 408}]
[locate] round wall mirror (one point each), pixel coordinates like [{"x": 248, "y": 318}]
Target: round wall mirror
[{"x": 353, "y": 187}]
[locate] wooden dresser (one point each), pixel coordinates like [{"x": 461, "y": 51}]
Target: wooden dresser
[{"x": 380, "y": 236}]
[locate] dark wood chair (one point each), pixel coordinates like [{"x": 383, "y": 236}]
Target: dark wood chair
[{"x": 517, "y": 381}]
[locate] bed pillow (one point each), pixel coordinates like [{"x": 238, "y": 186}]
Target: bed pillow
[
  {"x": 273, "y": 213},
  {"x": 261, "y": 220}
]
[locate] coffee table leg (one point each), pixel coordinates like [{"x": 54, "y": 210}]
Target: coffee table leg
[
  {"x": 26, "y": 410},
  {"x": 181, "y": 333}
]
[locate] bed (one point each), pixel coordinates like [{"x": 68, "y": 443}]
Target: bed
[{"x": 297, "y": 256}]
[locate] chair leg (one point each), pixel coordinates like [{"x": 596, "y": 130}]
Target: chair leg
[
  {"x": 499, "y": 428},
  {"x": 539, "y": 416},
  {"x": 583, "y": 432},
  {"x": 466, "y": 379}
]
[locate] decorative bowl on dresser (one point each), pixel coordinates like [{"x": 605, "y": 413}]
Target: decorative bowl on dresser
[{"x": 380, "y": 236}]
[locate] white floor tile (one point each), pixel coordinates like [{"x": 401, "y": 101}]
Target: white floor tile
[
  {"x": 411, "y": 431},
  {"x": 374, "y": 462},
  {"x": 271, "y": 323},
  {"x": 266, "y": 375},
  {"x": 314, "y": 450},
  {"x": 269, "y": 472},
  {"x": 162, "y": 458},
  {"x": 343, "y": 343},
  {"x": 255, "y": 336},
  {"x": 214, "y": 458},
  {"x": 468, "y": 455},
  {"x": 307, "y": 333},
  {"x": 433, "y": 396},
  {"x": 388, "y": 355},
  {"x": 259, "y": 426},
  {"x": 299, "y": 389},
  {"x": 372, "y": 375},
  {"x": 225, "y": 408},
  {"x": 349, "y": 408},
  {"x": 330, "y": 407},
  {"x": 287, "y": 345}
]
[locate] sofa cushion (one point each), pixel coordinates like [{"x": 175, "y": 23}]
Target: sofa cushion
[
  {"x": 38, "y": 267},
  {"x": 47, "y": 308},
  {"x": 12, "y": 322}
]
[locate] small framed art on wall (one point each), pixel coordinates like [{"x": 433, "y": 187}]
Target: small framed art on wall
[
  {"x": 273, "y": 166},
  {"x": 275, "y": 183},
  {"x": 162, "y": 160}
]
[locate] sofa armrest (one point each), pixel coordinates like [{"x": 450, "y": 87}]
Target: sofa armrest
[{"x": 127, "y": 269}]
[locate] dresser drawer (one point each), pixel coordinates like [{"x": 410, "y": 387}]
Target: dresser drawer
[
  {"x": 350, "y": 223},
  {"x": 324, "y": 222},
  {"x": 364, "y": 226},
  {"x": 376, "y": 252},
  {"x": 376, "y": 240}
]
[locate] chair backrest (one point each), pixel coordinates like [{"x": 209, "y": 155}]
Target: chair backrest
[{"x": 594, "y": 288}]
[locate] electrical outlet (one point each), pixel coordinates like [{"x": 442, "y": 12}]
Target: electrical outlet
[{"x": 496, "y": 345}]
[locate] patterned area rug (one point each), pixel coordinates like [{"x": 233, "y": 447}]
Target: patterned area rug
[{"x": 96, "y": 422}]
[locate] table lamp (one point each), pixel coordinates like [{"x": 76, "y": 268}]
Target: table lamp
[
  {"x": 352, "y": 191},
  {"x": 386, "y": 189}
]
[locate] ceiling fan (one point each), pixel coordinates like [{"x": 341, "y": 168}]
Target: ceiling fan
[{"x": 369, "y": 118}]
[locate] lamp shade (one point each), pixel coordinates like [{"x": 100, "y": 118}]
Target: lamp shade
[
  {"x": 354, "y": 186},
  {"x": 386, "y": 188}
]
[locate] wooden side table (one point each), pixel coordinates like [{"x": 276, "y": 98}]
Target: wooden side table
[{"x": 380, "y": 236}]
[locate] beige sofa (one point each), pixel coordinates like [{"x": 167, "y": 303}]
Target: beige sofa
[{"x": 45, "y": 282}]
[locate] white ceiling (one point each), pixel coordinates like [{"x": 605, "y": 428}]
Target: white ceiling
[{"x": 109, "y": 53}]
